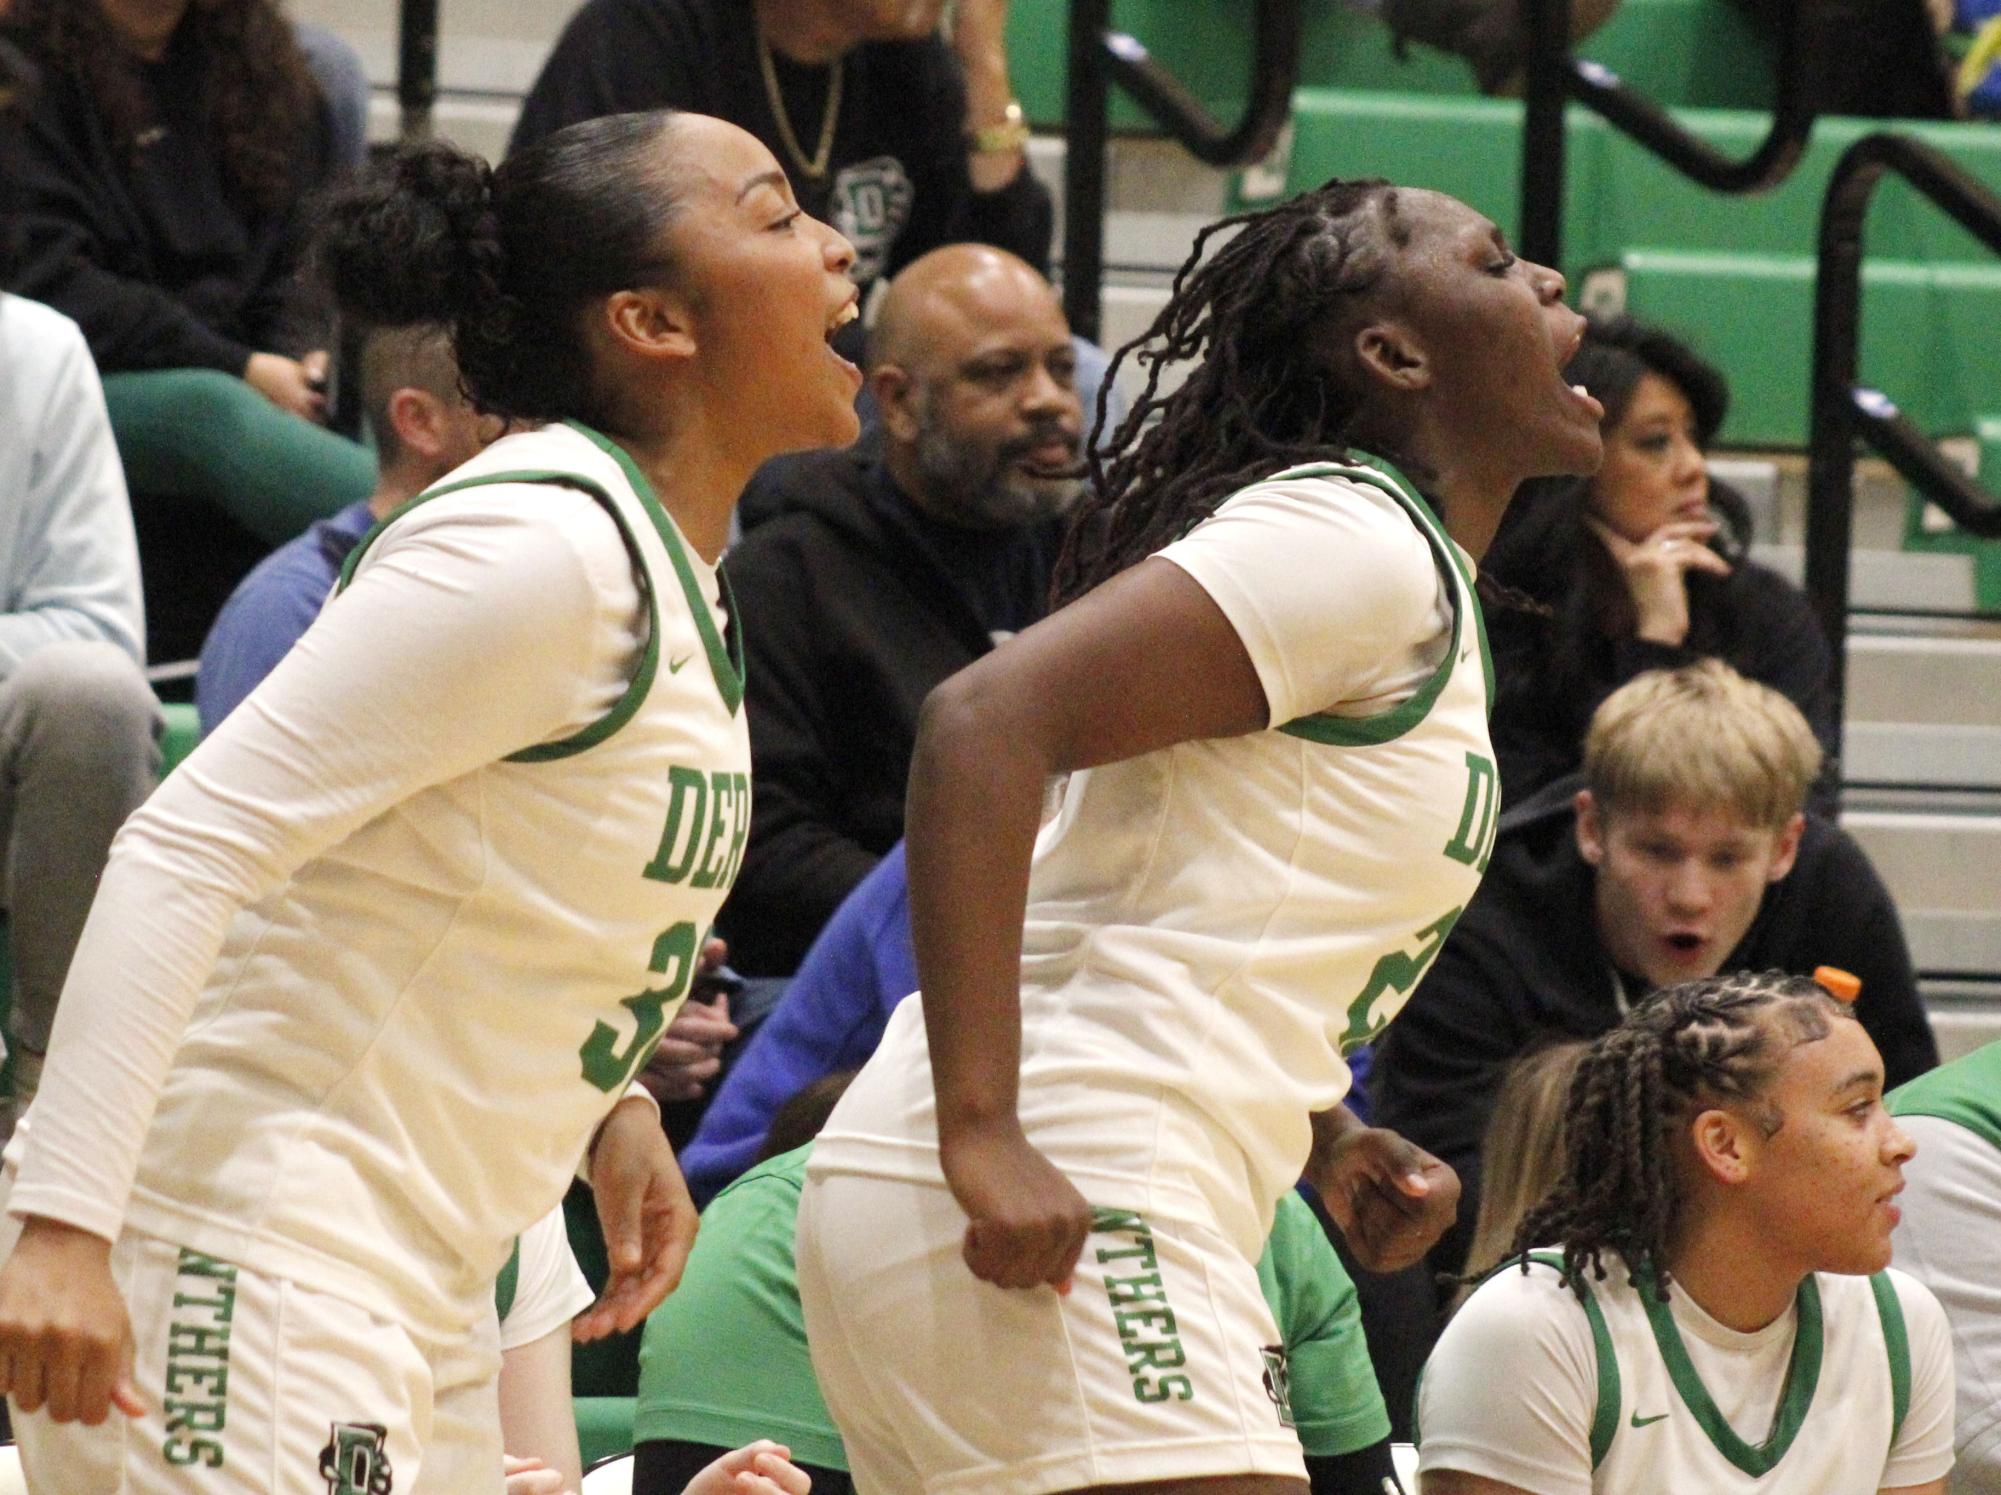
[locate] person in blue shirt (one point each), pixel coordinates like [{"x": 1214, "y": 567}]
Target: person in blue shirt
[
  {"x": 830, "y": 1018},
  {"x": 423, "y": 427}
]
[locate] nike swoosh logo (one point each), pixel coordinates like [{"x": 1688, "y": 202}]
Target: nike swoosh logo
[
  {"x": 1640, "y": 1422},
  {"x": 674, "y": 665}
]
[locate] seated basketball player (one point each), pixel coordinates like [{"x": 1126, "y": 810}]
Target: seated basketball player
[{"x": 1713, "y": 1309}]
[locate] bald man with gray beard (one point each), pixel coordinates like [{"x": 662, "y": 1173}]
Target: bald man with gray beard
[{"x": 890, "y": 566}]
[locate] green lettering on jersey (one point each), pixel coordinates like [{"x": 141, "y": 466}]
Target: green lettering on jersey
[
  {"x": 729, "y": 800},
  {"x": 1473, "y": 843},
  {"x": 1395, "y": 974},
  {"x": 676, "y": 856},
  {"x": 674, "y": 958}
]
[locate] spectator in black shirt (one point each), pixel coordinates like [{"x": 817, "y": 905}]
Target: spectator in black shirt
[
  {"x": 900, "y": 140},
  {"x": 1685, "y": 854},
  {"x": 1641, "y": 567},
  {"x": 886, "y": 568}
]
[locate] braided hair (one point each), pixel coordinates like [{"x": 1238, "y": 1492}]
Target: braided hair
[
  {"x": 1263, "y": 395},
  {"x": 1684, "y": 1050}
]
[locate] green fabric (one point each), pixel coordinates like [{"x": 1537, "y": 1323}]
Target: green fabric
[
  {"x": 725, "y": 660},
  {"x": 724, "y": 1359},
  {"x": 628, "y": 704},
  {"x": 604, "y": 1426},
  {"x": 203, "y": 435},
  {"x": 1802, "y": 1379},
  {"x": 1897, "y": 1344},
  {"x": 1337, "y": 1407},
  {"x": 1605, "y": 1416},
  {"x": 1966, "y": 1092},
  {"x": 508, "y": 1283},
  {"x": 1387, "y": 726}
]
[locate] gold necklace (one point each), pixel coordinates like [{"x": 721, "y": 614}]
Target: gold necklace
[{"x": 815, "y": 168}]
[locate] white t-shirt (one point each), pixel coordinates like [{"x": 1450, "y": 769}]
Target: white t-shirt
[
  {"x": 365, "y": 974},
  {"x": 1530, "y": 1387},
  {"x": 1950, "y": 1240},
  {"x": 541, "y": 1288},
  {"x": 1211, "y": 927}
]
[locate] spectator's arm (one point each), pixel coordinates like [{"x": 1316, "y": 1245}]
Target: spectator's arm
[
  {"x": 1857, "y": 921},
  {"x": 947, "y": 209},
  {"x": 536, "y": 1420},
  {"x": 615, "y": 57},
  {"x": 80, "y": 563}
]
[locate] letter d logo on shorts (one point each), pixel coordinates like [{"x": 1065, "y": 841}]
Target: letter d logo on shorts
[{"x": 354, "y": 1461}]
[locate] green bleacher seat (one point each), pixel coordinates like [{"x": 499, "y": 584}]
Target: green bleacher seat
[
  {"x": 1685, "y": 52},
  {"x": 1733, "y": 274}
]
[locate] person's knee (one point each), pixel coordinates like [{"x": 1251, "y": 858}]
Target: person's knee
[{"x": 87, "y": 699}]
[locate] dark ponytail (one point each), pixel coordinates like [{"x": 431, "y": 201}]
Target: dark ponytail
[
  {"x": 509, "y": 259},
  {"x": 1693, "y": 1046}
]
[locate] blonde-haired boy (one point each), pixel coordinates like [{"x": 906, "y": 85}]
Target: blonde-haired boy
[{"x": 1684, "y": 850}]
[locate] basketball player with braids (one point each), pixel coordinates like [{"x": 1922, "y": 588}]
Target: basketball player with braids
[
  {"x": 1704, "y": 1300},
  {"x": 368, "y": 980},
  {"x": 1262, "y": 719}
]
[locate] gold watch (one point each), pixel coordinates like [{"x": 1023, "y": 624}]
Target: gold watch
[{"x": 1011, "y": 134}]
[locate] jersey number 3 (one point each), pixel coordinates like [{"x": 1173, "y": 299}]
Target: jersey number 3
[{"x": 674, "y": 958}]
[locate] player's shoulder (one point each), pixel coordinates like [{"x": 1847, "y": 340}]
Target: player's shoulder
[{"x": 1518, "y": 1307}]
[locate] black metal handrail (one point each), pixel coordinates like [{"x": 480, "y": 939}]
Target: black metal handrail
[
  {"x": 1555, "y": 77},
  {"x": 1101, "y": 57},
  {"x": 417, "y": 65},
  {"x": 1844, "y": 411}
]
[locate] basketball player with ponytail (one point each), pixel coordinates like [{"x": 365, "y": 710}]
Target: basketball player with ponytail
[
  {"x": 1703, "y": 1301},
  {"x": 368, "y": 979},
  {"x": 1263, "y": 716}
]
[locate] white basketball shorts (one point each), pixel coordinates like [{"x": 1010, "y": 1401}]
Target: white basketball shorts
[{"x": 1163, "y": 1361}]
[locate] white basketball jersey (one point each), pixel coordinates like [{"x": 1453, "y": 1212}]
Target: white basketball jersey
[
  {"x": 1835, "y": 1409},
  {"x": 1213, "y": 926},
  {"x": 436, "y": 1013}
]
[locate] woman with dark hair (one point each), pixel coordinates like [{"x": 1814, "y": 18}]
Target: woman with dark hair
[
  {"x": 370, "y": 976},
  {"x": 1703, "y": 1301},
  {"x": 158, "y": 183},
  {"x": 1639, "y": 567},
  {"x": 1262, "y": 713}
]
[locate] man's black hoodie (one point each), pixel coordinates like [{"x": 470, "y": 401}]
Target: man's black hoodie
[
  {"x": 854, "y": 604},
  {"x": 1525, "y": 965}
]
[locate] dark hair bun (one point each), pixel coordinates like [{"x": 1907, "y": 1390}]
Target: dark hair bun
[{"x": 412, "y": 238}]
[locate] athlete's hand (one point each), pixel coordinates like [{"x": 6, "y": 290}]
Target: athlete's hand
[
  {"x": 65, "y": 1338},
  {"x": 532, "y": 1477},
  {"x": 648, "y": 1218},
  {"x": 1656, "y": 572},
  {"x": 1391, "y": 1198},
  {"x": 1025, "y": 1222},
  {"x": 761, "y": 1468},
  {"x": 691, "y": 1051}
]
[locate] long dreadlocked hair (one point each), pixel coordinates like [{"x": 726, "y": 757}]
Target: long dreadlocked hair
[
  {"x": 1263, "y": 395},
  {"x": 1693, "y": 1046},
  {"x": 261, "y": 96}
]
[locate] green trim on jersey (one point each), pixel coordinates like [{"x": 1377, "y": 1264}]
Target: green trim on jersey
[
  {"x": 628, "y": 704},
  {"x": 1605, "y": 1418},
  {"x": 725, "y": 662},
  {"x": 1897, "y": 1343},
  {"x": 508, "y": 1283},
  {"x": 1966, "y": 1092},
  {"x": 1802, "y": 1378},
  {"x": 1387, "y": 726}
]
